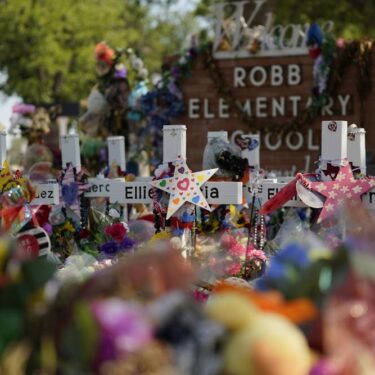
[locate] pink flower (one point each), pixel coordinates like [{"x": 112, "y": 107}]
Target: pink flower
[
  {"x": 23, "y": 108},
  {"x": 237, "y": 250},
  {"x": 233, "y": 269},
  {"x": 340, "y": 42},
  {"x": 258, "y": 254},
  {"x": 124, "y": 328},
  {"x": 200, "y": 296},
  {"x": 227, "y": 240}
]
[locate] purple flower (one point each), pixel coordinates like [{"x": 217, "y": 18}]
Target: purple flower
[
  {"x": 23, "y": 108},
  {"x": 127, "y": 243},
  {"x": 48, "y": 228},
  {"x": 124, "y": 328},
  {"x": 120, "y": 72},
  {"x": 103, "y": 154},
  {"x": 175, "y": 71},
  {"x": 193, "y": 52},
  {"x": 109, "y": 248}
]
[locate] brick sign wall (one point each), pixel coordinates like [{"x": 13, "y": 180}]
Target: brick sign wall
[{"x": 271, "y": 89}]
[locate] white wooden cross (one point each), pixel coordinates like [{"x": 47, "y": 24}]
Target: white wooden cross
[
  {"x": 174, "y": 147},
  {"x": 338, "y": 143},
  {"x": 138, "y": 191},
  {"x": 48, "y": 192}
]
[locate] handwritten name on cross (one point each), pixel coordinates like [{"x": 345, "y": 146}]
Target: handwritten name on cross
[
  {"x": 174, "y": 147},
  {"x": 46, "y": 193}
]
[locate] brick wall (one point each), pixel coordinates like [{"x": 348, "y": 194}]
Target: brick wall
[{"x": 201, "y": 86}]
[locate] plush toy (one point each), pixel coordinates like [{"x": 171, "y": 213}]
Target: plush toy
[{"x": 260, "y": 343}]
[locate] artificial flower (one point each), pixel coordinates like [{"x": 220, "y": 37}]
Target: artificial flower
[
  {"x": 237, "y": 250},
  {"x": 104, "y": 53},
  {"x": 48, "y": 228},
  {"x": 68, "y": 226},
  {"x": 124, "y": 328},
  {"x": 84, "y": 233},
  {"x": 227, "y": 241},
  {"x": 259, "y": 254},
  {"x": 109, "y": 248},
  {"x": 116, "y": 231},
  {"x": 127, "y": 243},
  {"x": 23, "y": 108},
  {"x": 233, "y": 268}
]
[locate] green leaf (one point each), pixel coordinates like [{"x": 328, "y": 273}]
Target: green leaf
[{"x": 11, "y": 327}]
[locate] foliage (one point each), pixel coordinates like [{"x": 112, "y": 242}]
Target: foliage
[
  {"x": 46, "y": 47},
  {"x": 353, "y": 19}
]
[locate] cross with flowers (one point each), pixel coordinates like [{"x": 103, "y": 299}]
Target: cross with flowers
[{"x": 329, "y": 190}]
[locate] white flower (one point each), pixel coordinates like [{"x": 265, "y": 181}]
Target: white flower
[
  {"x": 161, "y": 169},
  {"x": 126, "y": 226},
  {"x": 137, "y": 63},
  {"x": 143, "y": 73},
  {"x": 182, "y": 60}
]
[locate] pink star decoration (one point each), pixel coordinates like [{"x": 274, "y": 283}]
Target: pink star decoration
[{"x": 345, "y": 188}]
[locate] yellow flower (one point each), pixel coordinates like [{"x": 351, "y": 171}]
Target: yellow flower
[
  {"x": 68, "y": 226},
  {"x": 160, "y": 236}
]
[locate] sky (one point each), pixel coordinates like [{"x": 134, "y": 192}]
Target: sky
[{"x": 6, "y": 103}]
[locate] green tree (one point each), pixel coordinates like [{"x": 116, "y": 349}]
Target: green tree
[
  {"x": 47, "y": 46},
  {"x": 353, "y": 19}
]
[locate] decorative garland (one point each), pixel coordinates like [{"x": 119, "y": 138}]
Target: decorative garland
[
  {"x": 358, "y": 52},
  {"x": 336, "y": 58}
]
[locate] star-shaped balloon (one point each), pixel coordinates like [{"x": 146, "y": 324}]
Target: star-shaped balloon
[
  {"x": 345, "y": 188},
  {"x": 184, "y": 186}
]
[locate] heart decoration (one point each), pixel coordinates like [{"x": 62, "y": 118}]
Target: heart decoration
[
  {"x": 332, "y": 126},
  {"x": 163, "y": 183},
  {"x": 201, "y": 178},
  {"x": 253, "y": 144},
  {"x": 196, "y": 199},
  {"x": 183, "y": 184}
]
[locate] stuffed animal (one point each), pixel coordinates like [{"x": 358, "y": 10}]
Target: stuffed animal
[{"x": 260, "y": 343}]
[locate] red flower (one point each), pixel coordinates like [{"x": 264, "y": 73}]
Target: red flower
[
  {"x": 104, "y": 53},
  {"x": 84, "y": 233},
  {"x": 117, "y": 231},
  {"x": 42, "y": 215}
]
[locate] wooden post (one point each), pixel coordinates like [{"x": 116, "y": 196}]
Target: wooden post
[
  {"x": 357, "y": 149},
  {"x": 334, "y": 147},
  {"x": 70, "y": 152},
  {"x": 3, "y": 147},
  {"x": 174, "y": 143},
  {"x": 251, "y": 153},
  {"x": 116, "y": 152}
]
